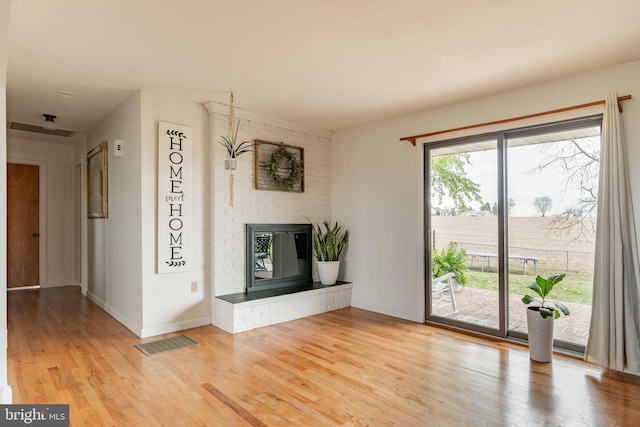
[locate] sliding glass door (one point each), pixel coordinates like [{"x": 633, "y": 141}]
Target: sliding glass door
[
  {"x": 464, "y": 232},
  {"x": 503, "y": 208}
]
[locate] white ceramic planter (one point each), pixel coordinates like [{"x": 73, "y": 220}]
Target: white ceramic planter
[
  {"x": 328, "y": 272},
  {"x": 540, "y": 335},
  {"x": 230, "y": 164}
]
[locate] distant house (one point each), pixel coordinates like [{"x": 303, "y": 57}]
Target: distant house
[
  {"x": 440, "y": 211},
  {"x": 476, "y": 213}
]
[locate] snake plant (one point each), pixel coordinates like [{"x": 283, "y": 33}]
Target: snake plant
[{"x": 329, "y": 242}]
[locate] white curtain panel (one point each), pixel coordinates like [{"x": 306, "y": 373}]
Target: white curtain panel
[{"x": 614, "y": 334}]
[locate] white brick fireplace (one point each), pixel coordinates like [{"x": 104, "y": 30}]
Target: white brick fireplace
[
  {"x": 227, "y": 233},
  {"x": 240, "y": 317}
]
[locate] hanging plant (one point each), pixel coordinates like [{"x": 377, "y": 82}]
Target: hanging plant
[
  {"x": 285, "y": 183},
  {"x": 234, "y": 150}
]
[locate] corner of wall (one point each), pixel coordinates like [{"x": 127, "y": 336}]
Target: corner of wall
[{"x": 168, "y": 302}]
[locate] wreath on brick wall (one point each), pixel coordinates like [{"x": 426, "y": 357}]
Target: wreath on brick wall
[{"x": 285, "y": 182}]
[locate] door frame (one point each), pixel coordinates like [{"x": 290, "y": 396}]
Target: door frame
[
  {"x": 501, "y": 331},
  {"x": 79, "y": 227},
  {"x": 42, "y": 209},
  {"x": 502, "y": 138}
]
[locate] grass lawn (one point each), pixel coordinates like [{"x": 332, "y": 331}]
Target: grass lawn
[{"x": 576, "y": 286}]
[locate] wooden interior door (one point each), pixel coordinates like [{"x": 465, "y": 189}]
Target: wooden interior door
[{"x": 23, "y": 234}]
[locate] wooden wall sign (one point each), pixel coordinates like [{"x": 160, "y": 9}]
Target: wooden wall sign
[
  {"x": 278, "y": 166},
  {"x": 175, "y": 198}
]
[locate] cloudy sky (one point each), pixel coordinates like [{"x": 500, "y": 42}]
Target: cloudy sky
[{"x": 526, "y": 181}]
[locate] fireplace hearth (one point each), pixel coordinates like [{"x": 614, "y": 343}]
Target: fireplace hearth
[
  {"x": 249, "y": 310},
  {"x": 279, "y": 281}
]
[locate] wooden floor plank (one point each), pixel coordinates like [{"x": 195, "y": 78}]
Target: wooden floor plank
[{"x": 345, "y": 368}]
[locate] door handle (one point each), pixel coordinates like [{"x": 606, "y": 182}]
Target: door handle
[{"x": 36, "y": 234}]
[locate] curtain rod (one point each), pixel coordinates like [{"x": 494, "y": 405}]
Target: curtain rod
[{"x": 412, "y": 139}]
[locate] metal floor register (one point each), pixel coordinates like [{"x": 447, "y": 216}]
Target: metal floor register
[{"x": 165, "y": 344}]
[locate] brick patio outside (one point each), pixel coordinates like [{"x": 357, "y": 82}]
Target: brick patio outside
[{"x": 480, "y": 306}]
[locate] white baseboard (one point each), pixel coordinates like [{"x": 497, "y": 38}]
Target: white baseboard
[
  {"x": 149, "y": 331},
  {"x": 413, "y": 317},
  {"x": 114, "y": 313},
  {"x": 96, "y": 300},
  {"x": 175, "y": 327},
  {"x": 58, "y": 284},
  {"x": 6, "y": 395}
]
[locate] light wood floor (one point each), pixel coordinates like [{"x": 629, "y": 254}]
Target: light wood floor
[{"x": 349, "y": 367}]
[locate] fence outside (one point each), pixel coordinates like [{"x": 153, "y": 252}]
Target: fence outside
[
  {"x": 547, "y": 259},
  {"x": 531, "y": 238}
]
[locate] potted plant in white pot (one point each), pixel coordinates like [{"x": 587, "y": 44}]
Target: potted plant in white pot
[
  {"x": 234, "y": 149},
  {"x": 540, "y": 317},
  {"x": 328, "y": 244}
]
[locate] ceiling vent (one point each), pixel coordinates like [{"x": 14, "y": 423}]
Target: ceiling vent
[{"x": 39, "y": 129}]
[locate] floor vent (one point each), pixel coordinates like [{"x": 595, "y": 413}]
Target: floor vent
[
  {"x": 39, "y": 129},
  {"x": 165, "y": 344}
]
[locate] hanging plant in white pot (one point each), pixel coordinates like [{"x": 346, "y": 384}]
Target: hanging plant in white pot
[
  {"x": 540, "y": 317},
  {"x": 328, "y": 244},
  {"x": 234, "y": 149}
]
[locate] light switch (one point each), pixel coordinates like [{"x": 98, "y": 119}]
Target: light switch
[{"x": 118, "y": 148}]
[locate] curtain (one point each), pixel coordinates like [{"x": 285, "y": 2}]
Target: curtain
[{"x": 614, "y": 334}]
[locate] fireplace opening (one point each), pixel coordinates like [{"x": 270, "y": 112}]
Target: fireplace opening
[{"x": 278, "y": 256}]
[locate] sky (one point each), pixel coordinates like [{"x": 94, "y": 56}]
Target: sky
[{"x": 525, "y": 181}]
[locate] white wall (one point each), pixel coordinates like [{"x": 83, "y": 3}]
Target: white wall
[
  {"x": 114, "y": 244},
  {"x": 5, "y": 389},
  {"x": 260, "y": 206},
  {"x": 168, "y": 303},
  {"x": 377, "y": 180},
  {"x": 122, "y": 274},
  {"x": 55, "y": 160}
]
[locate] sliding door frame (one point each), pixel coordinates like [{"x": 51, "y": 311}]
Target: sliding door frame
[
  {"x": 502, "y": 305},
  {"x": 501, "y": 138}
]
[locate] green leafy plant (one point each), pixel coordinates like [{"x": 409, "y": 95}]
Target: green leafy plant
[
  {"x": 543, "y": 288},
  {"x": 450, "y": 259},
  {"x": 233, "y": 148},
  {"x": 449, "y": 178},
  {"x": 328, "y": 243}
]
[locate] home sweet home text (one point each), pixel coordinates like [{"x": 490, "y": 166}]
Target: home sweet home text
[{"x": 174, "y": 198}]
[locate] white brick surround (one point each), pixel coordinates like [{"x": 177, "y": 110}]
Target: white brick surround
[
  {"x": 227, "y": 233},
  {"x": 249, "y": 315}
]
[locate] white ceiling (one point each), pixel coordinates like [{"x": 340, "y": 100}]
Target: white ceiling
[{"x": 330, "y": 64}]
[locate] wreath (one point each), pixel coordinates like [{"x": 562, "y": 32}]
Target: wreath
[{"x": 285, "y": 183}]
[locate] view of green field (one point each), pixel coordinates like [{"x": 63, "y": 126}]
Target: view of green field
[
  {"x": 569, "y": 251},
  {"x": 576, "y": 286}
]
